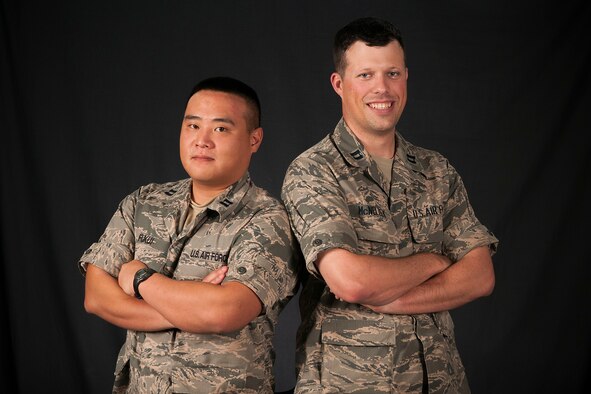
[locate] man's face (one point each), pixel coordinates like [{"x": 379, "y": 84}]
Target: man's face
[
  {"x": 215, "y": 142},
  {"x": 372, "y": 87}
]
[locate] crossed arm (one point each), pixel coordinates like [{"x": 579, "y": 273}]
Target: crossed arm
[
  {"x": 421, "y": 283},
  {"x": 207, "y": 306}
]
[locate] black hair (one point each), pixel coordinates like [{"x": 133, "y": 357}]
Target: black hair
[
  {"x": 233, "y": 86},
  {"x": 372, "y": 31}
]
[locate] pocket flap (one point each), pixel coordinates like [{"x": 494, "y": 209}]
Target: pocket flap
[{"x": 373, "y": 235}]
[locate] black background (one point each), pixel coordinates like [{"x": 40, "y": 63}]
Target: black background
[{"x": 91, "y": 102}]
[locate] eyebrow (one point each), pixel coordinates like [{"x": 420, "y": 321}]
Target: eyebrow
[{"x": 219, "y": 120}]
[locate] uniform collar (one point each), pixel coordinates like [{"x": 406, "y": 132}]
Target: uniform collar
[
  {"x": 230, "y": 199},
  {"x": 176, "y": 201},
  {"x": 406, "y": 154},
  {"x": 356, "y": 155},
  {"x": 349, "y": 146}
]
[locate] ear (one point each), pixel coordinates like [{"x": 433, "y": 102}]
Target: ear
[
  {"x": 337, "y": 83},
  {"x": 256, "y": 138}
]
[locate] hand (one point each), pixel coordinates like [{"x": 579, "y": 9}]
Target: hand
[
  {"x": 392, "y": 308},
  {"x": 126, "y": 275},
  {"x": 216, "y": 276}
]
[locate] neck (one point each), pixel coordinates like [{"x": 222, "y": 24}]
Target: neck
[
  {"x": 204, "y": 194},
  {"x": 380, "y": 145}
]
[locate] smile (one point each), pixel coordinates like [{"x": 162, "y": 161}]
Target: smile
[{"x": 380, "y": 105}]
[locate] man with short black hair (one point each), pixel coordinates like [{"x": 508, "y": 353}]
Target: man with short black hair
[{"x": 198, "y": 270}]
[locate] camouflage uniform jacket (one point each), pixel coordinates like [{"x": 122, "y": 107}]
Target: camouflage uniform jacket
[
  {"x": 336, "y": 197},
  {"x": 246, "y": 229}
]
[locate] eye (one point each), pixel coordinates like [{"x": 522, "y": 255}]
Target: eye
[
  {"x": 394, "y": 74},
  {"x": 193, "y": 126},
  {"x": 364, "y": 75},
  {"x": 221, "y": 129}
]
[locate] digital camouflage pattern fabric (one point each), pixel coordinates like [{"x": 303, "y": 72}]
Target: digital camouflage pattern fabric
[
  {"x": 244, "y": 228},
  {"x": 337, "y": 197}
]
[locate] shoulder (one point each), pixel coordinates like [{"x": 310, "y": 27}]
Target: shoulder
[
  {"x": 159, "y": 194},
  {"x": 322, "y": 153},
  {"x": 162, "y": 191},
  {"x": 261, "y": 201},
  {"x": 321, "y": 161},
  {"x": 264, "y": 216}
]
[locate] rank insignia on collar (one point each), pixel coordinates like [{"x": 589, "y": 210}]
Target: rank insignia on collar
[
  {"x": 226, "y": 203},
  {"x": 357, "y": 155}
]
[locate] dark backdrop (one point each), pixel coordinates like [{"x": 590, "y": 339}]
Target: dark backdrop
[{"x": 91, "y": 102}]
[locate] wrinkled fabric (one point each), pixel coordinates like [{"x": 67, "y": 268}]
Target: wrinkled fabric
[
  {"x": 244, "y": 228},
  {"x": 337, "y": 197}
]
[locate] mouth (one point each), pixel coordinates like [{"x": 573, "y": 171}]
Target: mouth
[
  {"x": 380, "y": 106},
  {"x": 201, "y": 158}
]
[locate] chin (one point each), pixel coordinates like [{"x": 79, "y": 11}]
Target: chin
[
  {"x": 383, "y": 129},
  {"x": 200, "y": 177}
]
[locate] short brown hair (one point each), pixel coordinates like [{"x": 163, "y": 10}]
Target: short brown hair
[{"x": 371, "y": 31}]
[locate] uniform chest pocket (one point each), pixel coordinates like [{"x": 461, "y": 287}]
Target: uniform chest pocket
[
  {"x": 376, "y": 233},
  {"x": 425, "y": 217},
  {"x": 151, "y": 250},
  {"x": 380, "y": 239}
]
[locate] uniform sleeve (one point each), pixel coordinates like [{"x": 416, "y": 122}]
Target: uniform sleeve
[
  {"x": 462, "y": 230},
  {"x": 117, "y": 244},
  {"x": 317, "y": 210},
  {"x": 263, "y": 257}
]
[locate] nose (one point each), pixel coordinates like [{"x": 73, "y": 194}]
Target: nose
[
  {"x": 380, "y": 84},
  {"x": 203, "y": 139}
]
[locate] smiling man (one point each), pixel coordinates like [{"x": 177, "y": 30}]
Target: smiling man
[
  {"x": 198, "y": 270},
  {"x": 389, "y": 237}
]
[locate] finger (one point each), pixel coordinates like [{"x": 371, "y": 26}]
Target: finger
[
  {"x": 216, "y": 276},
  {"x": 218, "y": 279},
  {"x": 214, "y": 279}
]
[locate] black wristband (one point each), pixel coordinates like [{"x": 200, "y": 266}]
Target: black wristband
[{"x": 140, "y": 276}]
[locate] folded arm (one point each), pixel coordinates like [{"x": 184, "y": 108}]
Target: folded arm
[
  {"x": 469, "y": 278},
  {"x": 104, "y": 298},
  {"x": 375, "y": 280},
  {"x": 195, "y": 306}
]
